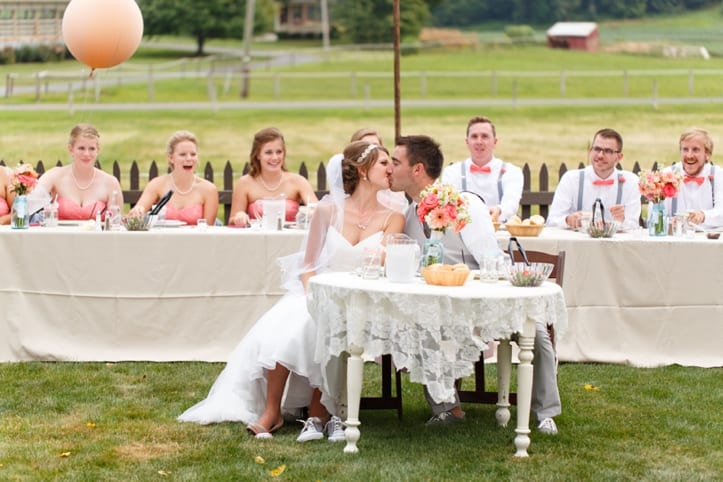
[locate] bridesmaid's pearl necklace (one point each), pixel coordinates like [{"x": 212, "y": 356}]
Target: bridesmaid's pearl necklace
[
  {"x": 266, "y": 186},
  {"x": 177, "y": 190},
  {"x": 75, "y": 181}
]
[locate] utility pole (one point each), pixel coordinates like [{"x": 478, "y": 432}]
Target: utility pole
[
  {"x": 325, "y": 24},
  {"x": 248, "y": 36},
  {"x": 397, "y": 95}
]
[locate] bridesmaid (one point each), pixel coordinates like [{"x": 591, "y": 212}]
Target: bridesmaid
[
  {"x": 82, "y": 190},
  {"x": 268, "y": 177},
  {"x": 193, "y": 198},
  {"x": 6, "y": 196}
]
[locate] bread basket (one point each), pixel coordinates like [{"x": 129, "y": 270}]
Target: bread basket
[
  {"x": 445, "y": 275},
  {"x": 524, "y": 229}
]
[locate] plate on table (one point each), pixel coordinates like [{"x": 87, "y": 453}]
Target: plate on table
[
  {"x": 69, "y": 222},
  {"x": 169, "y": 223}
]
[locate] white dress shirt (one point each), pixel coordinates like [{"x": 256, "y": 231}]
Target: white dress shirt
[
  {"x": 485, "y": 184},
  {"x": 565, "y": 201},
  {"x": 693, "y": 197}
]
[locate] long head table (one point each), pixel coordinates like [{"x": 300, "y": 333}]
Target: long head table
[
  {"x": 636, "y": 299},
  {"x": 163, "y": 295}
]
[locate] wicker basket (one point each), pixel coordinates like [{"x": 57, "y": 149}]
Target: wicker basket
[
  {"x": 436, "y": 275},
  {"x": 524, "y": 229}
]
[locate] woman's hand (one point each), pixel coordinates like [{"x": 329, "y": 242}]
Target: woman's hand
[
  {"x": 137, "y": 211},
  {"x": 239, "y": 219}
]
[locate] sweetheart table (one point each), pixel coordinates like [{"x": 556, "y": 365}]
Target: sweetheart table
[{"x": 436, "y": 333}]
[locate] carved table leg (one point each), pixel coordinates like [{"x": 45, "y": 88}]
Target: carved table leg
[
  {"x": 354, "y": 374},
  {"x": 524, "y": 390},
  {"x": 504, "y": 372}
]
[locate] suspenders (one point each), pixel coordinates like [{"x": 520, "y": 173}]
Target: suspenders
[
  {"x": 618, "y": 198},
  {"x": 463, "y": 171},
  {"x": 711, "y": 178}
]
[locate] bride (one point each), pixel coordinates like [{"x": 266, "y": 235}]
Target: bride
[{"x": 272, "y": 369}]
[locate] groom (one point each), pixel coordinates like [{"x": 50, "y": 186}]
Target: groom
[{"x": 416, "y": 163}]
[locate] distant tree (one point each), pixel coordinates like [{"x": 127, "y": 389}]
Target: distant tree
[
  {"x": 203, "y": 20},
  {"x": 370, "y": 21}
]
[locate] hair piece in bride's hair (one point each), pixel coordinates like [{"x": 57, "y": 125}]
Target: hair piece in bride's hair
[{"x": 366, "y": 152}]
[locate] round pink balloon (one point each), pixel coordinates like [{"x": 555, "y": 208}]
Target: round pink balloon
[{"x": 102, "y": 33}]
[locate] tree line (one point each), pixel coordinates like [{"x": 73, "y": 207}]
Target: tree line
[
  {"x": 370, "y": 21},
  {"x": 461, "y": 13}
]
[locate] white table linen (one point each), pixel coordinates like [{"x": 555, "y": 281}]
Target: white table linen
[
  {"x": 636, "y": 299},
  {"x": 169, "y": 294}
]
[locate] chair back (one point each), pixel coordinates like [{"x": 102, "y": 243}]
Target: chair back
[{"x": 557, "y": 260}]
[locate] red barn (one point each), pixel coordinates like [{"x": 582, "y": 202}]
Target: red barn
[{"x": 574, "y": 35}]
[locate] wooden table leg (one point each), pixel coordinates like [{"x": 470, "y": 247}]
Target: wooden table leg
[
  {"x": 504, "y": 372},
  {"x": 354, "y": 374},
  {"x": 524, "y": 389}
]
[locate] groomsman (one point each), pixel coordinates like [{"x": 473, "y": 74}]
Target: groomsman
[
  {"x": 701, "y": 190},
  {"x": 617, "y": 189}
]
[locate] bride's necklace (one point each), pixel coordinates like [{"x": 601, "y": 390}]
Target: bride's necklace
[
  {"x": 177, "y": 190},
  {"x": 266, "y": 186},
  {"x": 75, "y": 181},
  {"x": 362, "y": 224}
]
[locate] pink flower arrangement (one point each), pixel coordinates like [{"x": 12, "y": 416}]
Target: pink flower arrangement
[
  {"x": 659, "y": 185},
  {"x": 443, "y": 208},
  {"x": 24, "y": 179}
]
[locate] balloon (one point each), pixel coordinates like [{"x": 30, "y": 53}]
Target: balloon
[{"x": 102, "y": 33}]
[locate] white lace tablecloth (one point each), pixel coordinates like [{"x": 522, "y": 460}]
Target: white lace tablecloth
[{"x": 435, "y": 332}]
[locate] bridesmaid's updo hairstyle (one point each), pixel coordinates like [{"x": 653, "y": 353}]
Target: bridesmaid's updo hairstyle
[
  {"x": 83, "y": 130},
  {"x": 359, "y": 157}
]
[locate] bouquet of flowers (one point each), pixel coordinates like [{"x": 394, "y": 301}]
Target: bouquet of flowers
[
  {"x": 24, "y": 179},
  {"x": 443, "y": 208},
  {"x": 658, "y": 186}
]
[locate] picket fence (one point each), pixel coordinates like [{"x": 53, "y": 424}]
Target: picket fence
[{"x": 533, "y": 201}]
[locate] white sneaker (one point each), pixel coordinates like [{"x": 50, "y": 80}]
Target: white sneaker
[
  {"x": 312, "y": 430},
  {"x": 335, "y": 429},
  {"x": 548, "y": 426}
]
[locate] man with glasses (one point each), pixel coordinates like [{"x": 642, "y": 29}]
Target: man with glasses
[{"x": 579, "y": 188}]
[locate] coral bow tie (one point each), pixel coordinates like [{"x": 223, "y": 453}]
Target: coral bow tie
[
  {"x": 603, "y": 182},
  {"x": 699, "y": 180},
  {"x": 475, "y": 168}
]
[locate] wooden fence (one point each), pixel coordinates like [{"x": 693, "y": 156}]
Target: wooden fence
[{"x": 537, "y": 200}]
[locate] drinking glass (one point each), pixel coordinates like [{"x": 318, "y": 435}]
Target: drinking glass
[
  {"x": 201, "y": 225},
  {"x": 372, "y": 264}
]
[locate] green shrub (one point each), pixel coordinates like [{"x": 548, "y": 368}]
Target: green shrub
[{"x": 520, "y": 33}]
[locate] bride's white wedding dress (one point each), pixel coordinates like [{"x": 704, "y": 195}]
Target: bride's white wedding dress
[{"x": 285, "y": 334}]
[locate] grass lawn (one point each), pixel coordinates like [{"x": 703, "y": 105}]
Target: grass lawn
[{"x": 96, "y": 421}]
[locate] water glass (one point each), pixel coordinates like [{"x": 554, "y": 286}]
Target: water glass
[
  {"x": 201, "y": 225},
  {"x": 372, "y": 264},
  {"x": 488, "y": 269},
  {"x": 585, "y": 220},
  {"x": 50, "y": 216}
]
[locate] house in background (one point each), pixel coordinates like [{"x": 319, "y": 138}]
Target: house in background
[
  {"x": 31, "y": 22},
  {"x": 300, "y": 18},
  {"x": 574, "y": 35}
]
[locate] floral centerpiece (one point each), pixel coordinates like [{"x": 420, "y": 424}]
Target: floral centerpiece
[
  {"x": 22, "y": 182},
  {"x": 24, "y": 179},
  {"x": 657, "y": 186},
  {"x": 441, "y": 207}
]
